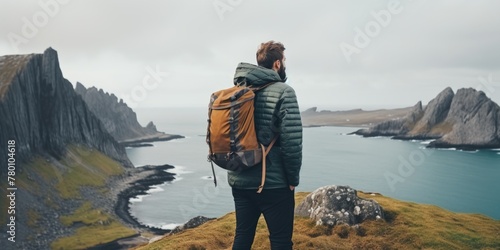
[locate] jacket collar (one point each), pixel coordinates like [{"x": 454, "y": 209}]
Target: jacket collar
[{"x": 254, "y": 75}]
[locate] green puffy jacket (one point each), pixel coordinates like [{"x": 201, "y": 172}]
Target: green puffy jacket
[{"x": 276, "y": 112}]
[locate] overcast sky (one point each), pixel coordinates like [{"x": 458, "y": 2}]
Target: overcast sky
[{"x": 340, "y": 54}]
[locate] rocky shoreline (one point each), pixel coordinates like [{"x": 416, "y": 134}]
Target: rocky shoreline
[
  {"x": 134, "y": 182},
  {"x": 154, "y": 175}
]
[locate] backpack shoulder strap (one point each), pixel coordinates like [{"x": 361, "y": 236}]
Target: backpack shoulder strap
[{"x": 265, "y": 152}]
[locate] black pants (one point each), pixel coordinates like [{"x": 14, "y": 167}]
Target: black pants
[{"x": 277, "y": 205}]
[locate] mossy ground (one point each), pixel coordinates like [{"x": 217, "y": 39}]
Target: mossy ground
[
  {"x": 80, "y": 167},
  {"x": 95, "y": 227},
  {"x": 408, "y": 226}
]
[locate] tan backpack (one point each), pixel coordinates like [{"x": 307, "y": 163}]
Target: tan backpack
[{"x": 231, "y": 135}]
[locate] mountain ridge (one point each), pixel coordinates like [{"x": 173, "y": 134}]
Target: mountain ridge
[{"x": 119, "y": 119}]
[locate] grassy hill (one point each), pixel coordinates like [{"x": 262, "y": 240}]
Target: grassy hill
[
  {"x": 65, "y": 203},
  {"x": 408, "y": 226}
]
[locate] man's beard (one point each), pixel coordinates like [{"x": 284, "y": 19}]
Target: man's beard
[{"x": 282, "y": 73}]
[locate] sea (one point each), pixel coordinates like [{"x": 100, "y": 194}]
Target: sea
[{"x": 458, "y": 181}]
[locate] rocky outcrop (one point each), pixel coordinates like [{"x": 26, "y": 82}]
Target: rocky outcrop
[
  {"x": 309, "y": 111},
  {"x": 435, "y": 112},
  {"x": 119, "y": 119},
  {"x": 395, "y": 127},
  {"x": 334, "y": 205},
  {"x": 192, "y": 223},
  {"x": 156, "y": 175},
  {"x": 465, "y": 120},
  {"x": 40, "y": 110},
  {"x": 475, "y": 119}
]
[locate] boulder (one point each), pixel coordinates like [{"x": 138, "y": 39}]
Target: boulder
[
  {"x": 333, "y": 205},
  {"x": 192, "y": 223}
]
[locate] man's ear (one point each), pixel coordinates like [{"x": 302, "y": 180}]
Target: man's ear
[{"x": 276, "y": 65}]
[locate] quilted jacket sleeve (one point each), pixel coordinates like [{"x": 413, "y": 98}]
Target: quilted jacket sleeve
[{"x": 290, "y": 135}]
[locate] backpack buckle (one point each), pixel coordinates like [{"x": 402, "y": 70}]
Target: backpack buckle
[{"x": 228, "y": 156}]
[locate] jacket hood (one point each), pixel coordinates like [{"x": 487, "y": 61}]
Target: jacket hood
[{"x": 255, "y": 75}]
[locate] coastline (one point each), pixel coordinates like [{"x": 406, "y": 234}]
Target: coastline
[
  {"x": 141, "y": 141},
  {"x": 134, "y": 182}
]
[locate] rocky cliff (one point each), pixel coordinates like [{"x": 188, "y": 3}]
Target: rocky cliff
[
  {"x": 119, "y": 119},
  {"x": 465, "y": 120},
  {"x": 64, "y": 157},
  {"x": 40, "y": 110}
]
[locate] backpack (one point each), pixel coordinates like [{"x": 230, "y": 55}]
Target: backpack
[{"x": 231, "y": 135}]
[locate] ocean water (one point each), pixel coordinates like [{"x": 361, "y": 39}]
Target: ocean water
[{"x": 459, "y": 181}]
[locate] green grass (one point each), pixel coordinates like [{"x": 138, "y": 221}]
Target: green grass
[
  {"x": 409, "y": 226},
  {"x": 33, "y": 218},
  {"x": 95, "y": 228},
  {"x": 85, "y": 168},
  {"x": 86, "y": 215},
  {"x": 42, "y": 169},
  {"x": 82, "y": 167},
  {"x": 88, "y": 168}
]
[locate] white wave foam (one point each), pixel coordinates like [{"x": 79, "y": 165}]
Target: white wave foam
[
  {"x": 470, "y": 151},
  {"x": 448, "y": 149},
  {"x": 426, "y": 142},
  {"x": 169, "y": 226},
  {"x": 138, "y": 198},
  {"x": 155, "y": 189},
  {"x": 353, "y": 135},
  {"x": 179, "y": 170},
  {"x": 176, "y": 180}
]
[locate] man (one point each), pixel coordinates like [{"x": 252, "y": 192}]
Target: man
[{"x": 276, "y": 114}]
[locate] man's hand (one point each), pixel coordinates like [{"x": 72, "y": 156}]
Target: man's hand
[{"x": 292, "y": 187}]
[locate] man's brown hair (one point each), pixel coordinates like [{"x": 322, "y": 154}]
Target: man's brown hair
[{"x": 269, "y": 52}]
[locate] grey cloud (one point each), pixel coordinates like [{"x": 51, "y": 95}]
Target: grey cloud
[{"x": 427, "y": 46}]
